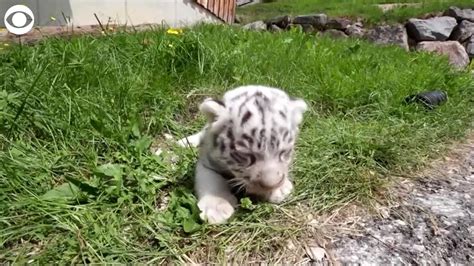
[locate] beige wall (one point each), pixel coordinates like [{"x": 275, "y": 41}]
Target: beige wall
[{"x": 175, "y": 13}]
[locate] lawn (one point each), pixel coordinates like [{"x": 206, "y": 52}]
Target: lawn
[
  {"x": 365, "y": 9},
  {"x": 79, "y": 184}
]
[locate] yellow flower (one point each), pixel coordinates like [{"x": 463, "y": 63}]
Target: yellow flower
[{"x": 174, "y": 31}]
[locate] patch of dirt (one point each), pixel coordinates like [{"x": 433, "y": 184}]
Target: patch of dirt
[
  {"x": 431, "y": 222},
  {"x": 38, "y": 33},
  {"x": 426, "y": 219}
]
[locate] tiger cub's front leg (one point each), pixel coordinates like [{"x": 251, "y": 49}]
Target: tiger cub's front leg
[
  {"x": 279, "y": 194},
  {"x": 215, "y": 200},
  {"x": 191, "y": 141}
]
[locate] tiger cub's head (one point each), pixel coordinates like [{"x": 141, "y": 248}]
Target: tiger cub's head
[{"x": 253, "y": 133}]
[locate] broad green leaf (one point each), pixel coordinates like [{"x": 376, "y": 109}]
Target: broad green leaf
[
  {"x": 190, "y": 225},
  {"x": 84, "y": 187},
  {"x": 136, "y": 130},
  {"x": 112, "y": 170},
  {"x": 142, "y": 143},
  {"x": 65, "y": 192}
]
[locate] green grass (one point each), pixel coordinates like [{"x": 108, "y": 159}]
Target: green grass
[
  {"x": 365, "y": 9},
  {"x": 77, "y": 117}
]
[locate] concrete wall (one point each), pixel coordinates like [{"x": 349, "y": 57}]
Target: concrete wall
[{"x": 175, "y": 13}]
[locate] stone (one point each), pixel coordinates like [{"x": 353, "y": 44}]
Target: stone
[
  {"x": 355, "y": 30},
  {"x": 433, "y": 29},
  {"x": 275, "y": 28},
  {"x": 470, "y": 47},
  {"x": 308, "y": 28},
  {"x": 463, "y": 31},
  {"x": 257, "y": 25},
  {"x": 455, "y": 52},
  {"x": 335, "y": 33},
  {"x": 282, "y": 22},
  {"x": 316, "y": 253},
  {"x": 338, "y": 23},
  {"x": 358, "y": 24},
  {"x": 460, "y": 14},
  {"x": 318, "y": 21},
  {"x": 389, "y": 34},
  {"x": 238, "y": 19},
  {"x": 297, "y": 27},
  {"x": 418, "y": 248}
]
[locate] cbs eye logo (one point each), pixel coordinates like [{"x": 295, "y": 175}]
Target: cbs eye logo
[{"x": 19, "y": 19}]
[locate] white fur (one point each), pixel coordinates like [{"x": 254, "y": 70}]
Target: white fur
[
  {"x": 280, "y": 194},
  {"x": 215, "y": 200},
  {"x": 191, "y": 141}
]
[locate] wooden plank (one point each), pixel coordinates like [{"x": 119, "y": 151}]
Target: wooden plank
[
  {"x": 215, "y": 8},
  {"x": 232, "y": 11},
  {"x": 222, "y": 4},
  {"x": 223, "y": 9},
  {"x": 231, "y": 14},
  {"x": 228, "y": 11},
  {"x": 210, "y": 5}
]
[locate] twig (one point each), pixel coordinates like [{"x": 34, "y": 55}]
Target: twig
[
  {"x": 66, "y": 21},
  {"x": 100, "y": 23},
  {"x": 23, "y": 104},
  {"x": 108, "y": 22}
]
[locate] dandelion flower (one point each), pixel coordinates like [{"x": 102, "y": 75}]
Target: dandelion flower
[{"x": 174, "y": 31}]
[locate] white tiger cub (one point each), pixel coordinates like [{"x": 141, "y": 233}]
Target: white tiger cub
[{"x": 247, "y": 144}]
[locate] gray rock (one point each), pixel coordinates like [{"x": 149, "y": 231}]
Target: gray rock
[
  {"x": 308, "y": 28},
  {"x": 318, "y": 21},
  {"x": 470, "y": 47},
  {"x": 275, "y": 28},
  {"x": 433, "y": 29},
  {"x": 282, "y": 22},
  {"x": 257, "y": 25},
  {"x": 297, "y": 27},
  {"x": 358, "y": 24},
  {"x": 463, "y": 31},
  {"x": 338, "y": 23},
  {"x": 455, "y": 52},
  {"x": 238, "y": 19},
  {"x": 419, "y": 248},
  {"x": 334, "y": 33},
  {"x": 355, "y": 30},
  {"x": 460, "y": 14},
  {"x": 389, "y": 34}
]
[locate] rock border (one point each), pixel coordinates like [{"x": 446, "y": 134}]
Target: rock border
[{"x": 449, "y": 33}]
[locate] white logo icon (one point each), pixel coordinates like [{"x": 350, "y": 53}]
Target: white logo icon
[{"x": 19, "y": 19}]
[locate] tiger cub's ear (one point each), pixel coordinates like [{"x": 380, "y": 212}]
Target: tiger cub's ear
[
  {"x": 212, "y": 109},
  {"x": 298, "y": 107}
]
